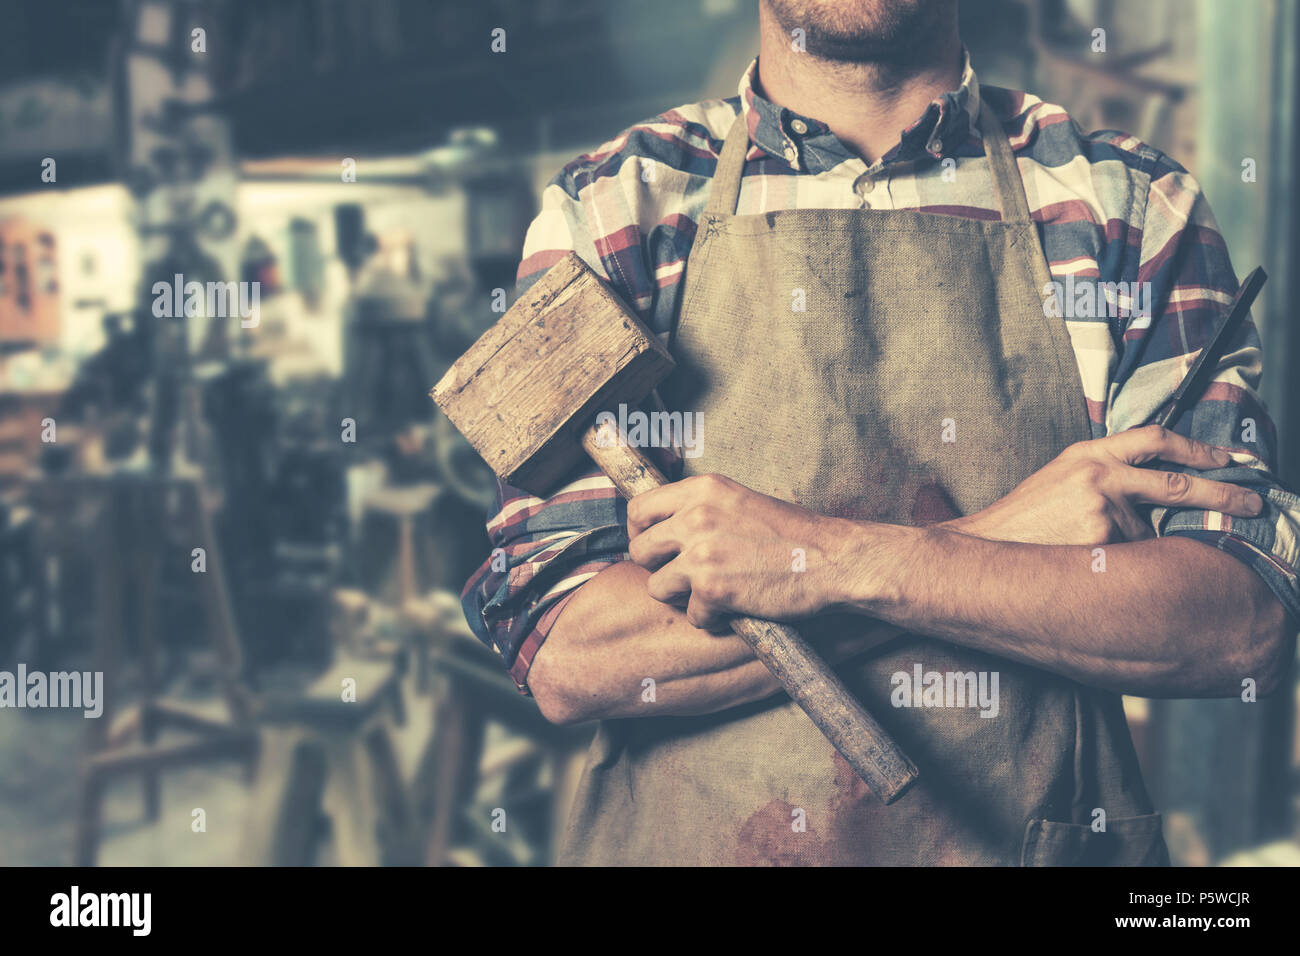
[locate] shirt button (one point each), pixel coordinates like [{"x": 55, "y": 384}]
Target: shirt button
[
  {"x": 790, "y": 154},
  {"x": 799, "y": 126},
  {"x": 935, "y": 146},
  {"x": 864, "y": 185}
]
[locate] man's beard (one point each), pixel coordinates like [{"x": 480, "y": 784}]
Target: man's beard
[{"x": 883, "y": 32}]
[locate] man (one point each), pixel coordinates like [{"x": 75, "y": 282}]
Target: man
[{"x": 915, "y": 446}]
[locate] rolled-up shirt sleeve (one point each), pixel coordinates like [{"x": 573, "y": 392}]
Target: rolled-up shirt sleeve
[
  {"x": 543, "y": 550},
  {"x": 1192, "y": 282}
]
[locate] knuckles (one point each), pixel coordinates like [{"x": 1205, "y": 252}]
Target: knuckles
[
  {"x": 635, "y": 511},
  {"x": 1156, "y": 434},
  {"x": 657, "y": 587},
  {"x": 705, "y": 555},
  {"x": 1080, "y": 449},
  {"x": 701, "y": 518},
  {"x": 714, "y": 487},
  {"x": 1177, "y": 485},
  {"x": 706, "y": 492},
  {"x": 708, "y": 584},
  {"x": 705, "y": 519},
  {"x": 1090, "y": 473}
]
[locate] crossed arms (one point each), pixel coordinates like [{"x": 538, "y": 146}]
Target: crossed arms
[{"x": 1167, "y": 617}]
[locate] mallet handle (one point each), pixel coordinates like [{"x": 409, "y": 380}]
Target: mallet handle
[{"x": 807, "y": 678}]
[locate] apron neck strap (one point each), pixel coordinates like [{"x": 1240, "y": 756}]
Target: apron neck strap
[
  {"x": 725, "y": 192},
  {"x": 1007, "y": 183}
]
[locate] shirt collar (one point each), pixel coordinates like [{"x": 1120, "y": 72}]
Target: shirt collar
[{"x": 808, "y": 145}]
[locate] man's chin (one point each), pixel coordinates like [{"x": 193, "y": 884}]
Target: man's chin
[
  {"x": 863, "y": 31},
  {"x": 857, "y": 49}
]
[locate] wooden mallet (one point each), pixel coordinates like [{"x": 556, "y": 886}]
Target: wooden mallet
[{"x": 527, "y": 395}]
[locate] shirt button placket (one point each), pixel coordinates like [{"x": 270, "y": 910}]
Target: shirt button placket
[{"x": 863, "y": 186}]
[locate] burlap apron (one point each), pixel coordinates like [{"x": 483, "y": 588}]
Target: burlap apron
[{"x": 922, "y": 381}]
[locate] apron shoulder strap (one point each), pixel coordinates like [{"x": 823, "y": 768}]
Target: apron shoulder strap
[
  {"x": 1010, "y": 188},
  {"x": 1007, "y": 182},
  {"x": 725, "y": 191}
]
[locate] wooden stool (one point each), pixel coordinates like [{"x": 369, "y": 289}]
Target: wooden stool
[
  {"x": 470, "y": 692},
  {"x": 116, "y": 519},
  {"x": 416, "y": 565},
  {"x": 326, "y": 758}
]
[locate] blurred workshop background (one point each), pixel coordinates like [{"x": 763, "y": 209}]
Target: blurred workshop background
[{"x": 232, "y": 522}]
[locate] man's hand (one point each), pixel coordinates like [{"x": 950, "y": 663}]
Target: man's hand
[
  {"x": 718, "y": 548},
  {"x": 721, "y": 548},
  {"x": 1086, "y": 495}
]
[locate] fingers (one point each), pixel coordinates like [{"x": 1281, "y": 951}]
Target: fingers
[
  {"x": 665, "y": 539},
  {"x": 705, "y": 615},
  {"x": 650, "y": 507},
  {"x": 1187, "y": 491},
  {"x": 656, "y": 545},
  {"x": 654, "y": 506},
  {"x": 669, "y": 585},
  {"x": 1138, "y": 445},
  {"x": 658, "y": 524}
]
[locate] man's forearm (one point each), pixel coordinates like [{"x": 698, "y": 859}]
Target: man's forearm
[
  {"x": 1020, "y": 579},
  {"x": 612, "y": 635},
  {"x": 1167, "y": 616}
]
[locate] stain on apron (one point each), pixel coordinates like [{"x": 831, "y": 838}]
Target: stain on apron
[{"x": 917, "y": 328}]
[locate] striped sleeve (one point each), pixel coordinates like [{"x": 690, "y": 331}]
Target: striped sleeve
[
  {"x": 1184, "y": 258},
  {"x": 543, "y": 550}
]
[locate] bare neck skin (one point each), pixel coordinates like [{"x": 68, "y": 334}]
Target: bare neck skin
[{"x": 866, "y": 105}]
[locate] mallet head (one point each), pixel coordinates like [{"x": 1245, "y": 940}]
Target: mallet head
[{"x": 525, "y": 392}]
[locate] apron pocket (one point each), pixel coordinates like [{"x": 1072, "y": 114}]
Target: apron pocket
[{"x": 1129, "y": 841}]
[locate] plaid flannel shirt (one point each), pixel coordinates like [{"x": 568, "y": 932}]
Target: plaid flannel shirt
[{"x": 1109, "y": 209}]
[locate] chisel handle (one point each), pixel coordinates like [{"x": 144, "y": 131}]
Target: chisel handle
[{"x": 806, "y": 677}]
